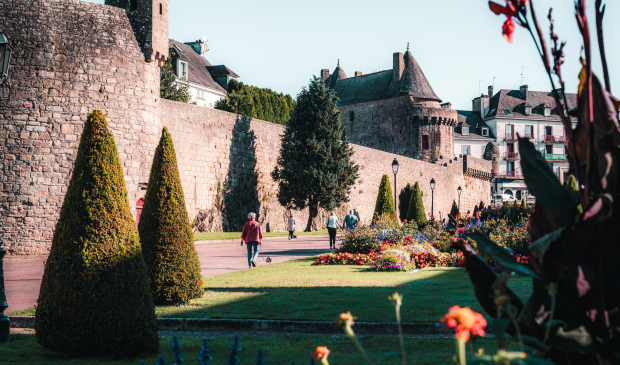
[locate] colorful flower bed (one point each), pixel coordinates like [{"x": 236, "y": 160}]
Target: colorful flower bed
[{"x": 431, "y": 245}]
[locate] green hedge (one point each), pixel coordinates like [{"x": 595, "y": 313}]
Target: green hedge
[
  {"x": 95, "y": 298},
  {"x": 165, "y": 232}
]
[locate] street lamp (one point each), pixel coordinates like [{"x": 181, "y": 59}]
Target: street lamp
[
  {"x": 395, "y": 171},
  {"x": 459, "y": 190},
  {"x": 5, "y": 57},
  {"x": 432, "y": 198}
]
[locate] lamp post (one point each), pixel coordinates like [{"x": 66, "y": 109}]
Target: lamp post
[
  {"x": 5, "y": 324},
  {"x": 395, "y": 171},
  {"x": 433, "y": 199},
  {"x": 5, "y": 57},
  {"x": 459, "y": 190}
]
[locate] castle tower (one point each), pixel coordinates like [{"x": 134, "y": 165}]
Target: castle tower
[{"x": 149, "y": 19}]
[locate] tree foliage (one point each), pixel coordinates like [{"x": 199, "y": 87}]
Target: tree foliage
[
  {"x": 165, "y": 232},
  {"x": 384, "y": 205},
  {"x": 171, "y": 87},
  {"x": 95, "y": 298},
  {"x": 255, "y": 102},
  {"x": 315, "y": 167},
  {"x": 403, "y": 201},
  {"x": 416, "y": 207}
]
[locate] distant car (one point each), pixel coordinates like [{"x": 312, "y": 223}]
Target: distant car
[{"x": 504, "y": 198}]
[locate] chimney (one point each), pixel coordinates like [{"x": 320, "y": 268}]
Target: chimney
[
  {"x": 358, "y": 73},
  {"x": 523, "y": 90},
  {"x": 324, "y": 74},
  {"x": 490, "y": 91},
  {"x": 398, "y": 66}
]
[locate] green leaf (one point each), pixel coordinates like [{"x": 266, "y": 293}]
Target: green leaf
[
  {"x": 534, "y": 343},
  {"x": 540, "y": 246},
  {"x": 577, "y": 339},
  {"x": 503, "y": 258},
  {"x": 542, "y": 182}
]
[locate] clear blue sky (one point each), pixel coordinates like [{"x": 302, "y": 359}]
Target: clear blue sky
[{"x": 280, "y": 44}]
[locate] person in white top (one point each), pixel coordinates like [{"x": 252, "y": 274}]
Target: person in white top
[
  {"x": 332, "y": 225},
  {"x": 291, "y": 227}
]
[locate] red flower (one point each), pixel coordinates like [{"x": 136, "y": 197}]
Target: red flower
[
  {"x": 466, "y": 322},
  {"x": 511, "y": 10}
]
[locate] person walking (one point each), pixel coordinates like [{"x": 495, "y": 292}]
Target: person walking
[
  {"x": 350, "y": 221},
  {"x": 332, "y": 225},
  {"x": 253, "y": 237},
  {"x": 291, "y": 227}
]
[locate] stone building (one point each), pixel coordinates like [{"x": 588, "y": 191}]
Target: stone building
[
  {"x": 72, "y": 57},
  {"x": 395, "y": 110}
]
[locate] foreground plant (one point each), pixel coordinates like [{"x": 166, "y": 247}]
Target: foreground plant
[{"x": 573, "y": 316}]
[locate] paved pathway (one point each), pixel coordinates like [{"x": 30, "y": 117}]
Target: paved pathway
[{"x": 22, "y": 274}]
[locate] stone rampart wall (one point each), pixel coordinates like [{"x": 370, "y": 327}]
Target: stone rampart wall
[{"x": 69, "y": 58}]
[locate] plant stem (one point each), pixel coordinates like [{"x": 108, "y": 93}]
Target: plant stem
[
  {"x": 514, "y": 322},
  {"x": 460, "y": 347},
  {"x": 361, "y": 349},
  {"x": 550, "y": 318},
  {"x": 400, "y": 336}
]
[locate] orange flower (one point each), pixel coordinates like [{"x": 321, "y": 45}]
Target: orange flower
[
  {"x": 466, "y": 321},
  {"x": 321, "y": 352}
]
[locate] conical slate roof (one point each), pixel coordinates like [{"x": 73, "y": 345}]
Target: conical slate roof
[
  {"x": 337, "y": 75},
  {"x": 414, "y": 82}
]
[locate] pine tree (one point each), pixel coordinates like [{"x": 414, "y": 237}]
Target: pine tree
[
  {"x": 481, "y": 206},
  {"x": 475, "y": 209},
  {"x": 315, "y": 167},
  {"x": 170, "y": 87},
  {"x": 166, "y": 234},
  {"x": 416, "y": 207},
  {"x": 571, "y": 186},
  {"x": 454, "y": 210},
  {"x": 95, "y": 298},
  {"x": 523, "y": 203},
  {"x": 384, "y": 205},
  {"x": 403, "y": 201}
]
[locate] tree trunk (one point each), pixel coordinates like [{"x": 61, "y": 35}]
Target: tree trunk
[{"x": 313, "y": 222}]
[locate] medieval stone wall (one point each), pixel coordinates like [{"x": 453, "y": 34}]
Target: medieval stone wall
[{"x": 69, "y": 58}]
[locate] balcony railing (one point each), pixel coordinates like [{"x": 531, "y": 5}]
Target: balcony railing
[
  {"x": 555, "y": 156},
  {"x": 511, "y": 175},
  {"x": 529, "y": 136},
  {"x": 511, "y": 155},
  {"x": 555, "y": 139},
  {"x": 511, "y": 137}
]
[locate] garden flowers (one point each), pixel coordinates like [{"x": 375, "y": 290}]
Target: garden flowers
[
  {"x": 321, "y": 353},
  {"x": 466, "y": 321}
]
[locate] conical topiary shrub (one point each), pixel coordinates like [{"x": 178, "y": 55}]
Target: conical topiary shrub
[
  {"x": 385, "y": 202},
  {"x": 454, "y": 210},
  {"x": 165, "y": 232},
  {"x": 403, "y": 201},
  {"x": 95, "y": 298},
  {"x": 416, "y": 207}
]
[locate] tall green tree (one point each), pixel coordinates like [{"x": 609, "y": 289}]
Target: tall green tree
[
  {"x": 315, "y": 167},
  {"x": 384, "y": 206},
  {"x": 255, "y": 102},
  {"x": 95, "y": 298},
  {"x": 416, "y": 206},
  {"x": 171, "y": 87},
  {"x": 165, "y": 232},
  {"x": 403, "y": 201}
]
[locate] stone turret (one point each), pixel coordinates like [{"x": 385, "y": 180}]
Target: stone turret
[
  {"x": 149, "y": 20},
  {"x": 491, "y": 153}
]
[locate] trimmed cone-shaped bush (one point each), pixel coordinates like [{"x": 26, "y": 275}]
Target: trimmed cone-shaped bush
[
  {"x": 454, "y": 210},
  {"x": 416, "y": 206},
  {"x": 165, "y": 232},
  {"x": 95, "y": 298},
  {"x": 385, "y": 201},
  {"x": 403, "y": 201}
]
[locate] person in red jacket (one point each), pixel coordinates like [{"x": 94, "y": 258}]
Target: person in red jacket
[{"x": 253, "y": 236}]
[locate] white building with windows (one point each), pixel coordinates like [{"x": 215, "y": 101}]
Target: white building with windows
[
  {"x": 507, "y": 115},
  {"x": 207, "y": 83}
]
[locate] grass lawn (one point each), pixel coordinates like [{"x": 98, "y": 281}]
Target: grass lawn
[
  {"x": 297, "y": 290},
  {"x": 23, "y": 349},
  {"x": 210, "y": 236}
]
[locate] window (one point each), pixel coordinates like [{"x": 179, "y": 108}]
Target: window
[
  {"x": 529, "y": 131},
  {"x": 352, "y": 116},
  {"x": 372, "y": 115},
  {"x": 547, "y": 111},
  {"x": 528, "y": 110},
  {"x": 508, "y": 111},
  {"x": 424, "y": 142},
  {"x": 182, "y": 69},
  {"x": 548, "y": 131},
  {"x": 510, "y": 166},
  {"x": 485, "y": 132},
  {"x": 549, "y": 149},
  {"x": 161, "y": 9},
  {"x": 134, "y": 5},
  {"x": 466, "y": 150},
  {"x": 464, "y": 131}
]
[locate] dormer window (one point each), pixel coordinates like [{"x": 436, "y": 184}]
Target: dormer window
[
  {"x": 547, "y": 112},
  {"x": 182, "y": 69},
  {"x": 352, "y": 116},
  {"x": 485, "y": 132},
  {"x": 528, "y": 110},
  {"x": 464, "y": 131}
]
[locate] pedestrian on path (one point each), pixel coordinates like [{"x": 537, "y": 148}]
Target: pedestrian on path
[
  {"x": 291, "y": 227},
  {"x": 350, "y": 221},
  {"x": 332, "y": 226},
  {"x": 253, "y": 237}
]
